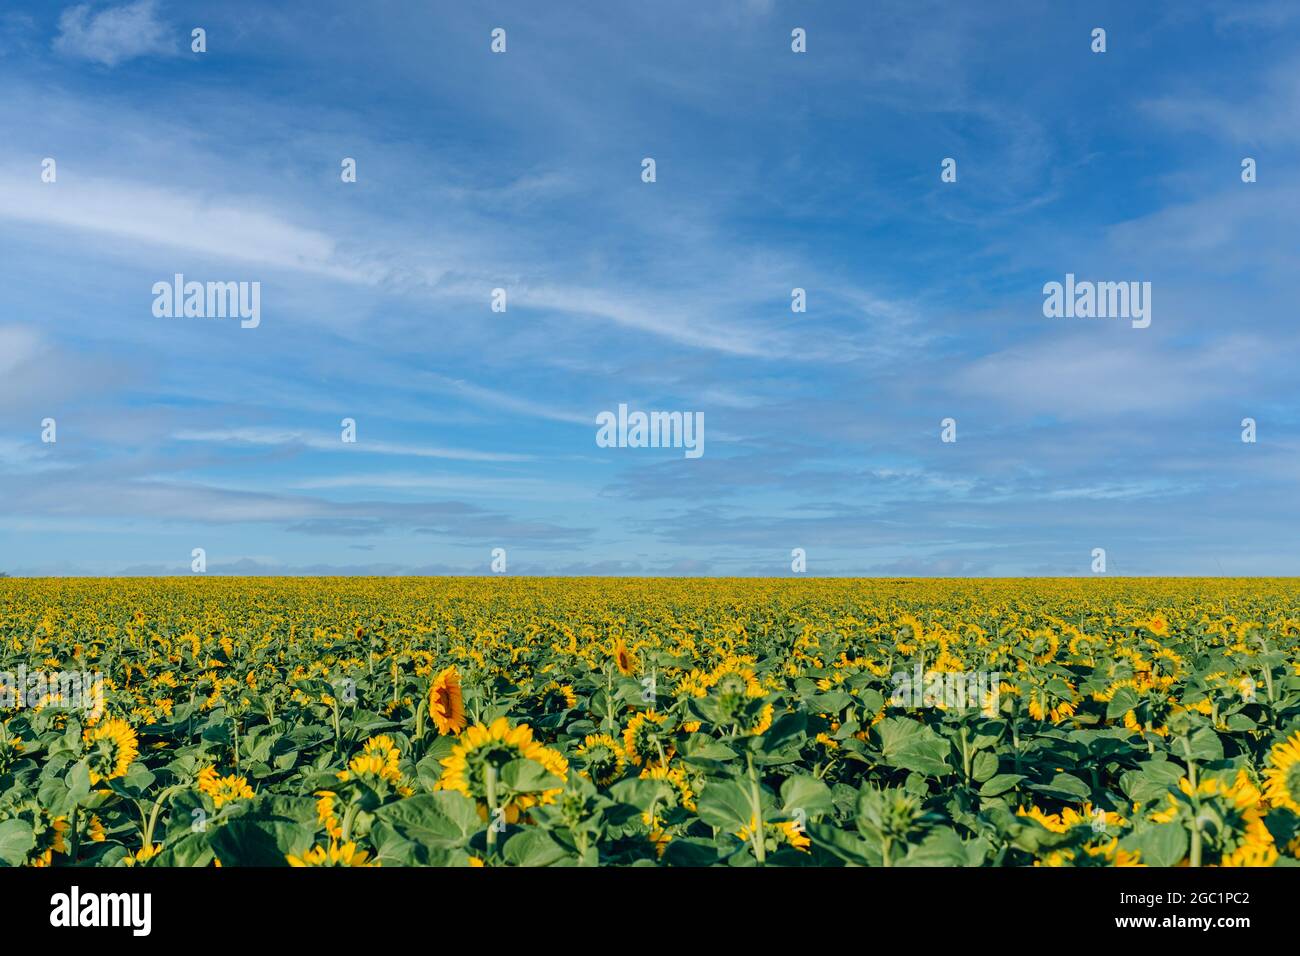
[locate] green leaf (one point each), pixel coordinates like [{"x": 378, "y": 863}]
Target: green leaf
[
  {"x": 528, "y": 776},
  {"x": 942, "y": 847},
  {"x": 1000, "y": 783},
  {"x": 911, "y": 745},
  {"x": 16, "y": 841},
  {"x": 532, "y": 847},
  {"x": 785, "y": 730},
  {"x": 726, "y": 806},
  {"x": 690, "y": 852},
  {"x": 78, "y": 781},
  {"x": 1205, "y": 744},
  {"x": 641, "y": 793},
  {"x": 984, "y": 766},
  {"x": 444, "y": 818},
  {"x": 1064, "y": 786},
  {"x": 193, "y": 849},
  {"x": 245, "y": 842},
  {"x": 1125, "y": 699},
  {"x": 843, "y": 845},
  {"x": 706, "y": 751},
  {"x": 1162, "y": 845},
  {"x": 806, "y": 793},
  {"x": 1151, "y": 780}
]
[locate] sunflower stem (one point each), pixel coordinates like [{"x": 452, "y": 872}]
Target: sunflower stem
[
  {"x": 348, "y": 819},
  {"x": 419, "y": 719},
  {"x": 73, "y": 841},
  {"x": 153, "y": 814},
  {"x": 756, "y": 802},
  {"x": 491, "y": 773}
]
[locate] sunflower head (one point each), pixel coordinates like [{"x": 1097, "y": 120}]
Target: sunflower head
[
  {"x": 490, "y": 747},
  {"x": 113, "y": 745},
  {"x": 624, "y": 659},
  {"x": 231, "y": 788},
  {"x": 336, "y": 854},
  {"x": 646, "y": 738},
  {"x": 11, "y": 750},
  {"x": 1282, "y": 778},
  {"x": 777, "y": 834},
  {"x": 556, "y": 697},
  {"x": 376, "y": 765},
  {"x": 447, "y": 702},
  {"x": 603, "y": 757},
  {"x": 1229, "y": 815}
]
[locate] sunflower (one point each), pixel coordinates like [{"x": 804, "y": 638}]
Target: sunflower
[
  {"x": 1252, "y": 854},
  {"x": 142, "y": 855},
  {"x": 337, "y": 854},
  {"x": 1282, "y": 778},
  {"x": 1089, "y": 816},
  {"x": 11, "y": 749},
  {"x": 645, "y": 739},
  {"x": 1110, "y": 854},
  {"x": 60, "y": 827},
  {"x": 556, "y": 697},
  {"x": 325, "y": 814},
  {"x": 481, "y": 747},
  {"x": 1050, "y": 821},
  {"x": 229, "y": 789},
  {"x": 113, "y": 745},
  {"x": 763, "y": 722},
  {"x": 604, "y": 758},
  {"x": 447, "y": 702},
  {"x": 623, "y": 659},
  {"x": 54, "y": 838},
  {"x": 1157, "y": 625},
  {"x": 659, "y": 839},
  {"x": 1061, "y": 710},
  {"x": 675, "y": 776},
  {"x": 777, "y": 834},
  {"x": 376, "y": 764},
  {"x": 1230, "y": 817}
]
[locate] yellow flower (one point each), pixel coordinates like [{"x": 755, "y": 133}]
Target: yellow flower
[
  {"x": 325, "y": 814},
  {"x": 345, "y": 854},
  {"x": 113, "y": 745},
  {"x": 623, "y": 659},
  {"x": 604, "y": 758},
  {"x": 675, "y": 776},
  {"x": 1282, "y": 778},
  {"x": 1051, "y": 821},
  {"x": 231, "y": 788},
  {"x": 142, "y": 855},
  {"x": 482, "y": 747},
  {"x": 447, "y": 703},
  {"x": 643, "y": 738},
  {"x": 777, "y": 833},
  {"x": 376, "y": 764}
]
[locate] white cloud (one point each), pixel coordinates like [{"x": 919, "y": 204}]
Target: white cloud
[
  {"x": 274, "y": 436},
  {"x": 18, "y": 345},
  {"x": 1082, "y": 377},
  {"x": 228, "y": 229},
  {"x": 114, "y": 34}
]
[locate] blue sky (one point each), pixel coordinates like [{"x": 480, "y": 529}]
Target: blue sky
[{"x": 522, "y": 171}]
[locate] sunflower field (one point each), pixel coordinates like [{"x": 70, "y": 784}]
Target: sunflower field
[{"x": 651, "y": 722}]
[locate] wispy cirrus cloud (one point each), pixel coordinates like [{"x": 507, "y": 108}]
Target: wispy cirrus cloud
[
  {"x": 298, "y": 439},
  {"x": 113, "y": 34}
]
